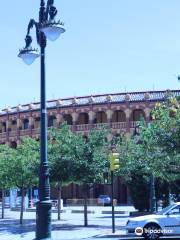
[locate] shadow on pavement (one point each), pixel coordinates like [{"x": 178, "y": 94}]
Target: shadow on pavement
[
  {"x": 76, "y": 227},
  {"x": 13, "y": 226},
  {"x": 110, "y": 216}
]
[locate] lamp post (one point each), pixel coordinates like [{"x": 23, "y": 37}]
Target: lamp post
[
  {"x": 46, "y": 28},
  {"x": 152, "y": 194}
]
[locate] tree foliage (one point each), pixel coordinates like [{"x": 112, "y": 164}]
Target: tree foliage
[
  {"x": 6, "y": 157},
  {"x": 90, "y": 156},
  {"x": 155, "y": 149},
  {"x": 24, "y": 167},
  {"x": 60, "y": 154},
  {"x": 26, "y": 163}
]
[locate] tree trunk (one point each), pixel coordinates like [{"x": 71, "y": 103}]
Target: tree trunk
[
  {"x": 167, "y": 197},
  {"x": 85, "y": 205},
  {"x": 3, "y": 202},
  {"x": 22, "y": 205},
  {"x": 59, "y": 201}
]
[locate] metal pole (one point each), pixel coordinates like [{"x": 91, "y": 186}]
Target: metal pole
[
  {"x": 43, "y": 220},
  {"x": 152, "y": 195},
  {"x": 112, "y": 202}
]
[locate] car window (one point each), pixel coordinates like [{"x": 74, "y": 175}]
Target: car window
[
  {"x": 164, "y": 210},
  {"x": 175, "y": 211}
]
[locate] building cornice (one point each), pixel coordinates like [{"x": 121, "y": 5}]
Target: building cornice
[{"x": 95, "y": 100}]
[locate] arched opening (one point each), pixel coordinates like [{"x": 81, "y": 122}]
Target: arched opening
[
  {"x": 13, "y": 126},
  {"x": 37, "y": 122},
  {"x": 68, "y": 118},
  {"x": 137, "y": 115},
  {"x": 83, "y": 118},
  {"x": 85, "y": 137},
  {"x": 13, "y": 144},
  {"x": 101, "y": 117},
  {"x": 119, "y": 116},
  {"x": 4, "y": 129},
  {"x": 1, "y": 128},
  {"x": 25, "y": 124},
  {"x": 51, "y": 121}
]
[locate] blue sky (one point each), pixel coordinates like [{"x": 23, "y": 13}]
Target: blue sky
[{"x": 109, "y": 46}]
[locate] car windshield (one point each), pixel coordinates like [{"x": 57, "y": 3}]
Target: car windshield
[
  {"x": 164, "y": 210},
  {"x": 103, "y": 196}
]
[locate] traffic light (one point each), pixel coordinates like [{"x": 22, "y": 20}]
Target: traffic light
[{"x": 114, "y": 161}]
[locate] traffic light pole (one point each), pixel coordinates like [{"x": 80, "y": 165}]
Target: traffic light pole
[{"x": 112, "y": 202}]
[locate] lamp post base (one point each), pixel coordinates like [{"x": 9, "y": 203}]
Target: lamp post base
[{"x": 43, "y": 220}]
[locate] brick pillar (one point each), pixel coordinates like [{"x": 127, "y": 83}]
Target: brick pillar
[
  {"x": 59, "y": 120},
  {"x": 109, "y": 114},
  {"x": 19, "y": 126},
  {"x": 92, "y": 116},
  {"x": 7, "y": 127},
  {"x": 19, "y": 123},
  {"x": 128, "y": 115},
  {"x": 147, "y": 114},
  {"x": 75, "y": 118},
  {"x": 31, "y": 122}
]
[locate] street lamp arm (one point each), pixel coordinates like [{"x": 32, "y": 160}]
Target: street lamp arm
[
  {"x": 50, "y": 10},
  {"x": 32, "y": 23}
]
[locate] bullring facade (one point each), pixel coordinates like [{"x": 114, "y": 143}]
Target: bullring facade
[{"x": 120, "y": 111}]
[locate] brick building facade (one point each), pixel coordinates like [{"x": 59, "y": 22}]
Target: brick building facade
[{"x": 120, "y": 111}]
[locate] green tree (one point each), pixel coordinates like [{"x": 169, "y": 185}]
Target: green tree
[
  {"x": 6, "y": 156},
  {"x": 25, "y": 167},
  {"x": 90, "y": 157},
  {"x": 155, "y": 150},
  {"x": 161, "y": 139},
  {"x": 134, "y": 171},
  {"x": 60, "y": 151}
]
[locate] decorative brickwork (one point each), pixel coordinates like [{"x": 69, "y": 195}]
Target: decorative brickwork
[{"x": 120, "y": 111}]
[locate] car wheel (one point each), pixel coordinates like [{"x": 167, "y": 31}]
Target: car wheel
[{"x": 151, "y": 231}]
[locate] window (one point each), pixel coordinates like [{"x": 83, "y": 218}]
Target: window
[
  {"x": 175, "y": 211},
  {"x": 26, "y": 124}
]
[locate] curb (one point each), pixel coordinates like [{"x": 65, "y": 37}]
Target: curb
[
  {"x": 115, "y": 212},
  {"x": 82, "y": 211}
]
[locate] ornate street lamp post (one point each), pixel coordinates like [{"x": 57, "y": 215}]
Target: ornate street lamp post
[{"x": 46, "y": 28}]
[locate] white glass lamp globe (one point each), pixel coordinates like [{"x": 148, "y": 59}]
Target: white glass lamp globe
[
  {"x": 53, "y": 32},
  {"x": 28, "y": 56}
]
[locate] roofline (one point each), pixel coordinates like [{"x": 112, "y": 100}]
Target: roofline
[{"x": 96, "y": 95}]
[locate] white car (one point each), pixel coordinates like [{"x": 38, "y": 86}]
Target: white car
[{"x": 165, "y": 222}]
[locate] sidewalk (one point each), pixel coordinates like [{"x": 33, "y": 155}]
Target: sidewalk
[{"x": 70, "y": 227}]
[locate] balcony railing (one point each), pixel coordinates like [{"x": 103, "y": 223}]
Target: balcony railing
[
  {"x": 100, "y": 125},
  {"x": 119, "y": 125},
  {"x": 87, "y": 127},
  {"x": 25, "y": 132},
  {"x": 3, "y": 135},
  {"x": 83, "y": 127},
  {"x": 78, "y": 128},
  {"x": 134, "y": 124},
  {"x": 13, "y": 133},
  {"x": 35, "y": 131}
]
